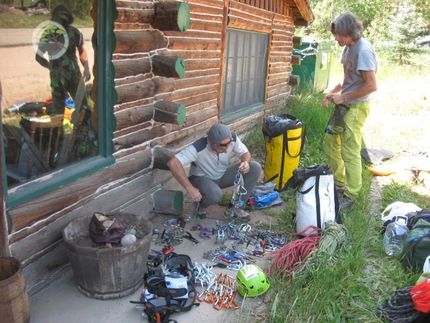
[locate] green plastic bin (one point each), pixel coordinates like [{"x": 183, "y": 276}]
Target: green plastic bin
[{"x": 314, "y": 70}]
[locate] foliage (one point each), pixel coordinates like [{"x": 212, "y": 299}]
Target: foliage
[
  {"x": 401, "y": 33},
  {"x": 390, "y": 25}
]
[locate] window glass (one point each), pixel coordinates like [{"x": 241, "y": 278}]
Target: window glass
[
  {"x": 46, "y": 77},
  {"x": 244, "y": 71}
]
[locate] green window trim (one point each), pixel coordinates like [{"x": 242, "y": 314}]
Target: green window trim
[{"x": 106, "y": 43}]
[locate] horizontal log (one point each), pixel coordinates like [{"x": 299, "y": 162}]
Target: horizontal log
[
  {"x": 135, "y": 16},
  {"x": 133, "y": 41},
  {"x": 163, "y": 85},
  {"x": 240, "y": 8},
  {"x": 133, "y": 116},
  {"x": 171, "y": 15},
  {"x": 169, "y": 66},
  {"x": 129, "y": 67},
  {"x": 294, "y": 80},
  {"x": 190, "y": 54},
  {"x": 240, "y": 23},
  {"x": 176, "y": 43},
  {"x": 169, "y": 112},
  {"x": 58, "y": 203},
  {"x": 197, "y": 81},
  {"x": 135, "y": 91},
  {"x": 188, "y": 134},
  {"x": 161, "y": 157}
]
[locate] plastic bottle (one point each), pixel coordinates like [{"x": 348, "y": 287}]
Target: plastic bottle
[{"x": 395, "y": 235}]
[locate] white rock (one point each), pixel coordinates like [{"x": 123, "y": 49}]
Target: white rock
[{"x": 128, "y": 239}]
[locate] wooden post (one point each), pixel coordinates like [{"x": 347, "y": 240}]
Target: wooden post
[
  {"x": 169, "y": 112},
  {"x": 169, "y": 202},
  {"x": 171, "y": 15},
  {"x": 168, "y": 66},
  {"x": 4, "y": 248},
  {"x": 294, "y": 80}
]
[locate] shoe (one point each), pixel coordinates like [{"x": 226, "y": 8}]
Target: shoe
[
  {"x": 238, "y": 213},
  {"x": 345, "y": 202},
  {"x": 201, "y": 213},
  {"x": 339, "y": 189}
]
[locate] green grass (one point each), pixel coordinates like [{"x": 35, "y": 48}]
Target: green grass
[{"x": 362, "y": 277}]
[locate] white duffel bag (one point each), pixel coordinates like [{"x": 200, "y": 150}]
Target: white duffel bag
[{"x": 316, "y": 200}]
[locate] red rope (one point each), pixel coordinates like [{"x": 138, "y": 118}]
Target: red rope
[{"x": 293, "y": 254}]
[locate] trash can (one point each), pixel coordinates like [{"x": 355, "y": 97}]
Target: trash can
[
  {"x": 314, "y": 70},
  {"x": 106, "y": 273}
]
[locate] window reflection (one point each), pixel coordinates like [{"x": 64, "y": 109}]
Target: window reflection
[{"x": 47, "y": 106}]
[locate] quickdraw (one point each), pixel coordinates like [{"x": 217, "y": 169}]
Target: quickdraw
[
  {"x": 238, "y": 191},
  {"x": 221, "y": 292}
]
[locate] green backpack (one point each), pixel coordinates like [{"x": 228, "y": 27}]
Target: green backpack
[{"x": 416, "y": 247}]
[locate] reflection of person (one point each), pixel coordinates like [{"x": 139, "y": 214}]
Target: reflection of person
[
  {"x": 360, "y": 65},
  {"x": 209, "y": 171},
  {"x": 64, "y": 71}
]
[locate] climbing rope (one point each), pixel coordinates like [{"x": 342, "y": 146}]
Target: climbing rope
[
  {"x": 293, "y": 254},
  {"x": 333, "y": 237},
  {"x": 399, "y": 308}
]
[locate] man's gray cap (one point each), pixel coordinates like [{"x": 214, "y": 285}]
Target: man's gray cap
[{"x": 218, "y": 133}]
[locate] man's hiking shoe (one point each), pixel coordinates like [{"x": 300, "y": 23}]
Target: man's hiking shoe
[
  {"x": 340, "y": 190},
  {"x": 201, "y": 213},
  {"x": 238, "y": 213},
  {"x": 345, "y": 202}
]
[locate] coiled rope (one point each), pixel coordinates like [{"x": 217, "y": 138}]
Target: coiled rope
[
  {"x": 306, "y": 253},
  {"x": 332, "y": 238},
  {"x": 399, "y": 308},
  {"x": 293, "y": 254}
]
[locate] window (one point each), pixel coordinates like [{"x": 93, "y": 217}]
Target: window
[
  {"x": 55, "y": 123},
  {"x": 244, "y": 73}
]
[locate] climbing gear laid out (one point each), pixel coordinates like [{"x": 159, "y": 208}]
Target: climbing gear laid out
[
  {"x": 221, "y": 293},
  {"x": 316, "y": 198},
  {"x": 169, "y": 289},
  {"x": 284, "y": 137},
  {"x": 251, "y": 281}
]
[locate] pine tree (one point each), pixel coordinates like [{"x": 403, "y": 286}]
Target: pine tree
[{"x": 403, "y": 29}]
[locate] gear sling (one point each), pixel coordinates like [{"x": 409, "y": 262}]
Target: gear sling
[{"x": 284, "y": 137}]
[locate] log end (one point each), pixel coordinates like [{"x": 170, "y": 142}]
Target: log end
[
  {"x": 294, "y": 80},
  {"x": 183, "y": 16},
  {"x": 182, "y": 112},
  {"x": 180, "y": 67}
]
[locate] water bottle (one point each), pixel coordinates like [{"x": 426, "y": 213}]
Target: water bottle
[{"x": 395, "y": 235}]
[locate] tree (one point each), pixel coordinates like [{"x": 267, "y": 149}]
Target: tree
[{"x": 401, "y": 33}]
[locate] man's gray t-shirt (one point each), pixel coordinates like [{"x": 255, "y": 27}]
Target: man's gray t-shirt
[
  {"x": 359, "y": 57},
  {"x": 205, "y": 162}
]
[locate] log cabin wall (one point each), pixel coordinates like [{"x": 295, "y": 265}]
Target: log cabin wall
[{"x": 141, "y": 82}]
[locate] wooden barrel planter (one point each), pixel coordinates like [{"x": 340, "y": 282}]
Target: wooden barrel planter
[
  {"x": 106, "y": 273},
  {"x": 14, "y": 305}
]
